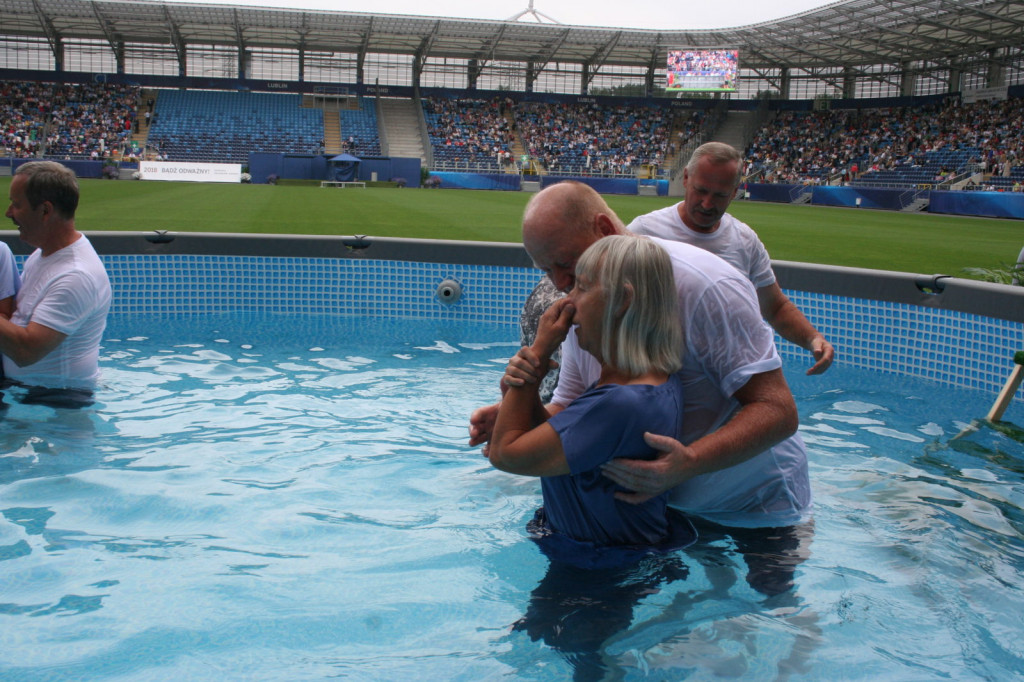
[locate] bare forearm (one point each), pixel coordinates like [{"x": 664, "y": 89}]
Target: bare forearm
[
  {"x": 14, "y": 343},
  {"x": 785, "y": 318},
  {"x": 793, "y": 325},
  {"x": 27, "y": 345},
  {"x": 520, "y": 411},
  {"x": 767, "y": 415}
]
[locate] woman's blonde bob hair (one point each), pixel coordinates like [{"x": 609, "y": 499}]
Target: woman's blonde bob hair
[{"x": 641, "y": 331}]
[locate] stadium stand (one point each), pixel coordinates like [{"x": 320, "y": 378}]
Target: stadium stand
[
  {"x": 912, "y": 147},
  {"x": 66, "y": 121},
  {"x": 978, "y": 145},
  {"x": 24, "y": 108},
  {"x": 474, "y": 132},
  {"x": 359, "y": 129},
  {"x": 590, "y": 138},
  {"x": 563, "y": 137},
  {"x": 208, "y": 125},
  {"x": 90, "y": 120}
]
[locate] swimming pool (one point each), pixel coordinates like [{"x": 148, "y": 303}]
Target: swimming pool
[
  {"x": 249, "y": 504},
  {"x": 269, "y": 493}
]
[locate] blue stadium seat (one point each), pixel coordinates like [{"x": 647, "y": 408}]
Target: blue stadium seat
[{"x": 208, "y": 125}]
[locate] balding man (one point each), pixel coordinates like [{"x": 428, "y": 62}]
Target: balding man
[{"x": 738, "y": 460}]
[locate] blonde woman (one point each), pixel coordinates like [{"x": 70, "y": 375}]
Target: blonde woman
[{"x": 625, "y": 310}]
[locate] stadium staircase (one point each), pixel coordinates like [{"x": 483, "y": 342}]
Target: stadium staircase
[
  {"x": 330, "y": 108},
  {"x": 140, "y": 136},
  {"x": 678, "y": 135},
  {"x": 518, "y": 150},
  {"x": 332, "y": 125},
  {"x": 916, "y": 206},
  {"x": 733, "y": 129},
  {"x": 400, "y": 128},
  {"x": 801, "y": 194}
]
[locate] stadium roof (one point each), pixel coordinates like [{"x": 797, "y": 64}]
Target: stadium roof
[{"x": 854, "y": 34}]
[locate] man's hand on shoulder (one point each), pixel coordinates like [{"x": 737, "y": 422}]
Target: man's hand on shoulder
[{"x": 647, "y": 478}]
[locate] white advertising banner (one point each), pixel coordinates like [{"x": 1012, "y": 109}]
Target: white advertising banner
[
  {"x": 190, "y": 172},
  {"x": 997, "y": 94}
]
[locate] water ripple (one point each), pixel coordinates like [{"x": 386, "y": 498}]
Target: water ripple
[{"x": 299, "y": 509}]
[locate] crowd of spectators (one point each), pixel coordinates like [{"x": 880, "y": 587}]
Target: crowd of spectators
[
  {"x": 66, "y": 120},
  {"x": 584, "y": 138},
  {"x": 470, "y": 130},
  {"x": 24, "y": 109},
  {"x": 940, "y": 140},
  {"x": 589, "y": 137},
  {"x": 936, "y": 141},
  {"x": 91, "y": 120}
]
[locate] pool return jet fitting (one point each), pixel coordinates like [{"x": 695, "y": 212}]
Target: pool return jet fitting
[{"x": 449, "y": 291}]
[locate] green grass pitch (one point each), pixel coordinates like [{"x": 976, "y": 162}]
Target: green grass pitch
[{"x": 884, "y": 240}]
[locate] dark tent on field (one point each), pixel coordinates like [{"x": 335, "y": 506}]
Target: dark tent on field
[{"x": 344, "y": 168}]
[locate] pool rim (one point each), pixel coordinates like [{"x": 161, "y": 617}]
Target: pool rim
[{"x": 939, "y": 291}]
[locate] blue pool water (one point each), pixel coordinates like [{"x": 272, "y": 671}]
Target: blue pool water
[{"x": 292, "y": 497}]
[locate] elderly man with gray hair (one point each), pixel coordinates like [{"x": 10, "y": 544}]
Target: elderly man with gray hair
[{"x": 710, "y": 180}]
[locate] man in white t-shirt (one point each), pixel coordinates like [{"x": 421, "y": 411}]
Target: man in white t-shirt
[
  {"x": 52, "y": 340},
  {"x": 710, "y": 179}
]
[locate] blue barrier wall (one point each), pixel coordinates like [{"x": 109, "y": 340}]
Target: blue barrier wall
[
  {"x": 971, "y": 203},
  {"x": 869, "y": 197},
  {"x": 609, "y": 185},
  {"x": 388, "y": 169},
  {"x": 291, "y": 166},
  {"x": 83, "y": 169},
  {"x": 317, "y": 167},
  {"x": 990, "y": 204},
  {"x": 764, "y": 192},
  {"x": 600, "y": 185},
  {"x": 478, "y": 181},
  {"x": 662, "y": 186},
  {"x": 506, "y": 181}
]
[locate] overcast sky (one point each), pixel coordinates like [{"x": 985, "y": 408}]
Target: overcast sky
[{"x": 647, "y": 14}]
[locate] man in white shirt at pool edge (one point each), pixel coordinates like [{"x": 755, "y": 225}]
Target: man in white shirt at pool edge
[
  {"x": 711, "y": 178},
  {"x": 52, "y": 339}
]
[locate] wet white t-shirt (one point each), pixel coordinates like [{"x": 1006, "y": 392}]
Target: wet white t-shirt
[
  {"x": 67, "y": 291},
  {"x": 725, "y": 343}
]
